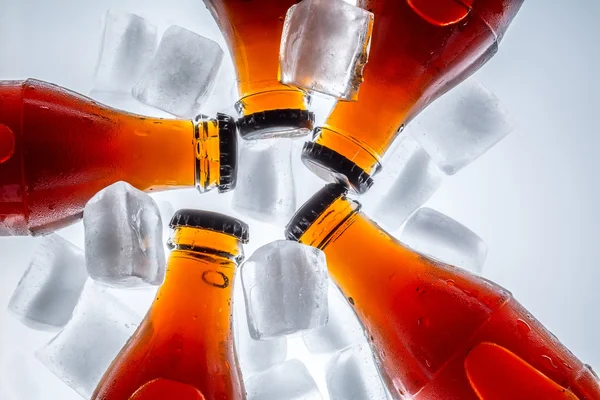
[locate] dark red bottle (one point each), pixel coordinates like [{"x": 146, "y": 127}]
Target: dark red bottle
[{"x": 58, "y": 148}]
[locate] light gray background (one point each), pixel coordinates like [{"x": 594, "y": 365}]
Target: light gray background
[{"x": 533, "y": 198}]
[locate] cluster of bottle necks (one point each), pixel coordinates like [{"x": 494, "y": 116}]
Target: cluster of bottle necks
[{"x": 437, "y": 332}]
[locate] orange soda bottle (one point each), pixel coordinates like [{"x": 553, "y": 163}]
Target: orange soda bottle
[
  {"x": 185, "y": 344},
  {"x": 437, "y": 331},
  {"x": 420, "y": 49},
  {"x": 58, "y": 148}
]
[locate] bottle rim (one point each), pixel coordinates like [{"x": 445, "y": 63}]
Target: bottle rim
[
  {"x": 212, "y": 221},
  {"x": 275, "y": 123},
  {"x": 312, "y": 210},
  {"x": 228, "y": 153},
  {"x": 331, "y": 166}
]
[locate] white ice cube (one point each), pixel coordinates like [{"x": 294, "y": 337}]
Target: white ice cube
[
  {"x": 288, "y": 381},
  {"x": 343, "y": 328},
  {"x": 352, "y": 375},
  {"x": 254, "y": 355},
  {"x": 182, "y": 73},
  {"x": 265, "y": 186},
  {"x": 325, "y": 46},
  {"x": 50, "y": 288},
  {"x": 123, "y": 237},
  {"x": 80, "y": 354},
  {"x": 285, "y": 287},
  {"x": 437, "y": 235},
  {"x": 462, "y": 125},
  {"x": 409, "y": 178},
  {"x": 128, "y": 45}
]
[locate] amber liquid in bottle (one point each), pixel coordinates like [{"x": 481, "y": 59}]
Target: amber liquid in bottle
[
  {"x": 438, "y": 332},
  {"x": 419, "y": 50},
  {"x": 58, "y": 148},
  {"x": 253, "y": 30},
  {"x": 185, "y": 343}
]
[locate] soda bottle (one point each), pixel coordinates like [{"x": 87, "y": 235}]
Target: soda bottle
[
  {"x": 58, "y": 148},
  {"x": 184, "y": 344},
  {"x": 437, "y": 331},
  {"x": 253, "y": 30},
  {"x": 419, "y": 50}
]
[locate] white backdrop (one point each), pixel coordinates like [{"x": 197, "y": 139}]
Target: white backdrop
[{"x": 532, "y": 198}]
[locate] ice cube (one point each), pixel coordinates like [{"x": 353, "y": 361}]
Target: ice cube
[
  {"x": 80, "y": 354},
  {"x": 50, "y": 288},
  {"x": 290, "y": 381},
  {"x": 254, "y": 355},
  {"x": 123, "y": 237},
  {"x": 181, "y": 75},
  {"x": 462, "y": 125},
  {"x": 409, "y": 178},
  {"x": 434, "y": 234},
  {"x": 342, "y": 330},
  {"x": 352, "y": 375},
  {"x": 126, "y": 102},
  {"x": 285, "y": 287},
  {"x": 166, "y": 213},
  {"x": 325, "y": 46},
  {"x": 265, "y": 187},
  {"x": 128, "y": 45}
]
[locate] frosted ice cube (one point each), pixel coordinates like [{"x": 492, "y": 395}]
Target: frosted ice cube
[
  {"x": 123, "y": 237},
  {"x": 182, "y": 74},
  {"x": 166, "y": 210},
  {"x": 409, "y": 178},
  {"x": 352, "y": 375},
  {"x": 290, "y": 381},
  {"x": 80, "y": 354},
  {"x": 126, "y": 102},
  {"x": 285, "y": 287},
  {"x": 50, "y": 288},
  {"x": 128, "y": 45},
  {"x": 343, "y": 328},
  {"x": 325, "y": 46},
  {"x": 462, "y": 125},
  {"x": 254, "y": 355},
  {"x": 265, "y": 187},
  {"x": 434, "y": 234}
]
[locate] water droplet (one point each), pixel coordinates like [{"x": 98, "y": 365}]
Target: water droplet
[
  {"x": 428, "y": 363},
  {"x": 7, "y": 143},
  {"x": 450, "y": 282},
  {"x": 523, "y": 327},
  {"x": 550, "y": 360}
]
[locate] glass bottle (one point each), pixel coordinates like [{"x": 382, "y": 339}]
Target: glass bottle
[
  {"x": 58, "y": 148},
  {"x": 185, "y": 342},
  {"x": 252, "y": 29},
  {"x": 419, "y": 50},
  {"x": 437, "y": 331}
]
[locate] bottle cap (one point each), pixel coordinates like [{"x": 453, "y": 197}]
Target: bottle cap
[
  {"x": 312, "y": 209},
  {"x": 272, "y": 123},
  {"x": 331, "y": 166},
  {"x": 228, "y": 153},
  {"x": 212, "y": 221}
]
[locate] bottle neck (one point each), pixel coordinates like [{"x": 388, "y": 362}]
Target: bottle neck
[
  {"x": 199, "y": 279},
  {"x": 207, "y": 154},
  {"x": 331, "y": 223}
]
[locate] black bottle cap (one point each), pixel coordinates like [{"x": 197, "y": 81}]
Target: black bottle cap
[
  {"x": 312, "y": 209},
  {"x": 269, "y": 123},
  {"x": 228, "y": 153},
  {"x": 212, "y": 221},
  {"x": 331, "y": 166}
]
